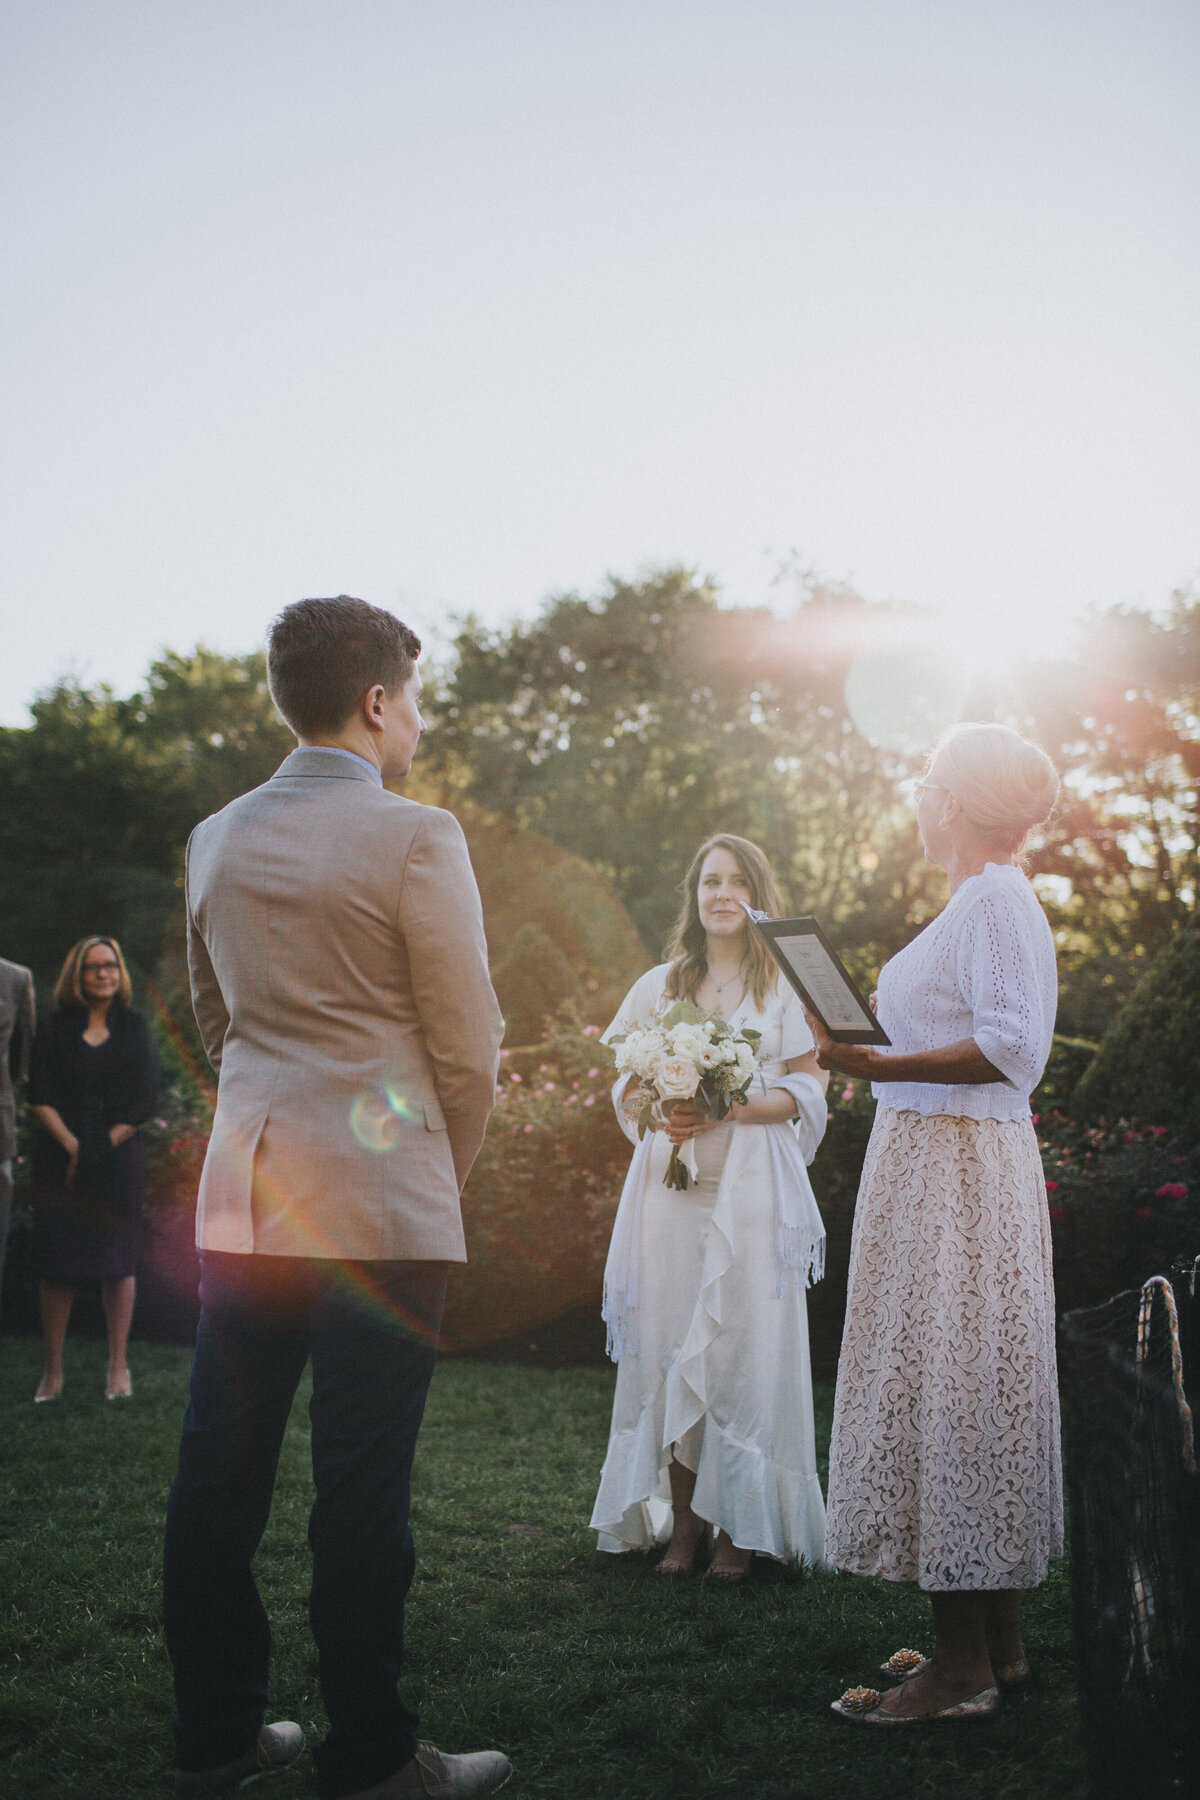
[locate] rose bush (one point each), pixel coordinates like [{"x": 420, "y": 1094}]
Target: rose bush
[
  {"x": 1124, "y": 1203},
  {"x": 539, "y": 1205}
]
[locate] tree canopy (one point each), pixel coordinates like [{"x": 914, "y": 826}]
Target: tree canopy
[
  {"x": 632, "y": 726},
  {"x": 100, "y": 795},
  {"x": 624, "y": 728}
]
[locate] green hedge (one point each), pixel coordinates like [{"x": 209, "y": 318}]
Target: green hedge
[
  {"x": 1147, "y": 1068},
  {"x": 1124, "y": 1198}
]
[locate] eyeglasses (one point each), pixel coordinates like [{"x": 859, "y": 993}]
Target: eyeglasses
[
  {"x": 104, "y": 968},
  {"x": 927, "y": 787}
]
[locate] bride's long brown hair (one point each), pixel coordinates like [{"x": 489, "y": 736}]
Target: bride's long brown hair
[{"x": 687, "y": 945}]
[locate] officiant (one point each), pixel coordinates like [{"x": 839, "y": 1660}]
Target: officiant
[{"x": 945, "y": 1467}]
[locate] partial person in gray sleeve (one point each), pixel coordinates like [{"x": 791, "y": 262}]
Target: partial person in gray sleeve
[{"x": 17, "y": 1020}]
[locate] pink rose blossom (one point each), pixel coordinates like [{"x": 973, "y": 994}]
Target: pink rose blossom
[
  {"x": 527, "y": 1128},
  {"x": 1172, "y": 1190},
  {"x": 1050, "y": 1186}
]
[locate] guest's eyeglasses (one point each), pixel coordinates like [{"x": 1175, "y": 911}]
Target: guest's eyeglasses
[
  {"x": 104, "y": 968},
  {"x": 927, "y": 787}
]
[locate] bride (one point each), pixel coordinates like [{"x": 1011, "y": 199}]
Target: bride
[{"x": 704, "y": 1289}]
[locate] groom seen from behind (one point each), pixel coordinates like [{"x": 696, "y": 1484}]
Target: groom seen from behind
[{"x": 339, "y": 977}]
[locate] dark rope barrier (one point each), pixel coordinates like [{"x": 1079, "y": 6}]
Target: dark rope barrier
[{"x": 1126, "y": 1369}]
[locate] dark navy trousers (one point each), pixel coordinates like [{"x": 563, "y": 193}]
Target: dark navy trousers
[{"x": 370, "y": 1329}]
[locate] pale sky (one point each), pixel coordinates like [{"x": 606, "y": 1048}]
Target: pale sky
[{"x": 460, "y": 303}]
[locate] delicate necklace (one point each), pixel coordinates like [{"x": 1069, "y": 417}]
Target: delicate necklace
[{"x": 722, "y": 985}]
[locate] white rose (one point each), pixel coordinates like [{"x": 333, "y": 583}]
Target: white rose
[
  {"x": 642, "y": 1049},
  {"x": 676, "y": 1078}
]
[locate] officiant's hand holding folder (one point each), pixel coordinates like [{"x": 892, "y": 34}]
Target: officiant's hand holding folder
[{"x": 814, "y": 969}]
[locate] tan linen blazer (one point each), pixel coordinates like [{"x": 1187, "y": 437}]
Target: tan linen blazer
[{"x": 340, "y": 981}]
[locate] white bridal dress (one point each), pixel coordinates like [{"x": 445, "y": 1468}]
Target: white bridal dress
[{"x": 713, "y": 1339}]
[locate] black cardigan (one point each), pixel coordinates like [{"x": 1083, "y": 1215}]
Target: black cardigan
[{"x": 130, "y": 1068}]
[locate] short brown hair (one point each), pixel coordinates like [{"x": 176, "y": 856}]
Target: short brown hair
[
  {"x": 324, "y": 655},
  {"x": 68, "y": 989},
  {"x": 687, "y": 948}
]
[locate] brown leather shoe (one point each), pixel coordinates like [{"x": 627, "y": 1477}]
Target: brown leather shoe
[
  {"x": 431, "y": 1775},
  {"x": 276, "y": 1746}
]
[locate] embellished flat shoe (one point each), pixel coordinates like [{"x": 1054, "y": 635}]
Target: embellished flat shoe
[
  {"x": 1010, "y": 1676},
  {"x": 860, "y": 1706},
  {"x": 903, "y": 1663},
  {"x": 120, "y": 1387}
]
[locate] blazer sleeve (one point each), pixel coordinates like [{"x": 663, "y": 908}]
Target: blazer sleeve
[
  {"x": 212, "y": 1015},
  {"x": 441, "y": 920}
]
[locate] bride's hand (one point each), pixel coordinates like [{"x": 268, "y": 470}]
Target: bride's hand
[{"x": 684, "y": 1121}]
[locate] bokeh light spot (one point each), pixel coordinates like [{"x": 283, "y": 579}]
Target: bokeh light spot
[
  {"x": 902, "y": 696},
  {"x": 374, "y": 1123},
  {"x": 403, "y": 1109}
]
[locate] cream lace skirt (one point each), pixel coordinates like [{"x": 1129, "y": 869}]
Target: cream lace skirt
[{"x": 944, "y": 1467}]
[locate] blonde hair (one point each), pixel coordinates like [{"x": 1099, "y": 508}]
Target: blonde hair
[
  {"x": 68, "y": 989},
  {"x": 687, "y": 946},
  {"x": 1004, "y": 783}
]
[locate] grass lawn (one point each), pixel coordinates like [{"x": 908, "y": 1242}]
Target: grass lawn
[{"x": 600, "y": 1681}]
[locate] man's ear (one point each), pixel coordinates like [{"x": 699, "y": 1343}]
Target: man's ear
[{"x": 372, "y": 707}]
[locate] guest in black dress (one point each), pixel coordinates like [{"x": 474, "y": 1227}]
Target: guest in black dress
[{"x": 92, "y": 1082}]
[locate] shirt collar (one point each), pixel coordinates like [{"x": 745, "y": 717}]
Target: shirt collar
[{"x": 335, "y": 750}]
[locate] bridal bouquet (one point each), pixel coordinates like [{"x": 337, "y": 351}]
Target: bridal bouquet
[{"x": 686, "y": 1054}]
